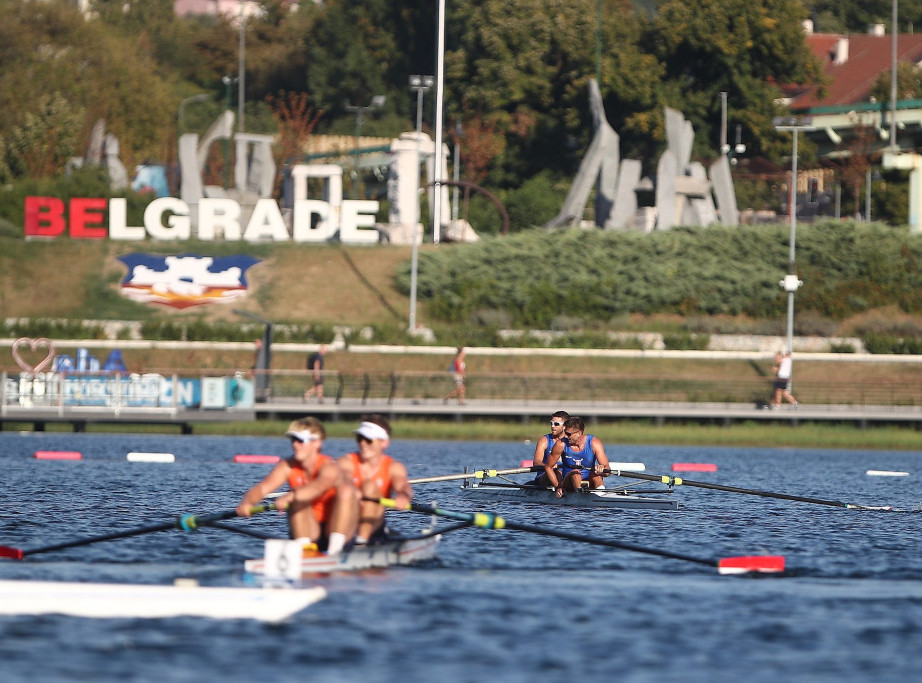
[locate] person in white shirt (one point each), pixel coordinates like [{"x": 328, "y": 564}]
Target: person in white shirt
[{"x": 781, "y": 388}]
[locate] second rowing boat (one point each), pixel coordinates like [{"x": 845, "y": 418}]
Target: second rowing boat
[{"x": 608, "y": 498}]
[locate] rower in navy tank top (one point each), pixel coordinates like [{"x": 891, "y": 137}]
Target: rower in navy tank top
[
  {"x": 545, "y": 446},
  {"x": 582, "y": 460}
]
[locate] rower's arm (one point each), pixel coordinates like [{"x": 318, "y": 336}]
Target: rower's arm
[
  {"x": 601, "y": 460},
  {"x": 400, "y": 484},
  {"x": 270, "y": 483},
  {"x": 537, "y": 459},
  {"x": 549, "y": 465},
  {"x": 328, "y": 477}
]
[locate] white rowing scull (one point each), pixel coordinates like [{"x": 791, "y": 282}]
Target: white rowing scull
[{"x": 390, "y": 553}]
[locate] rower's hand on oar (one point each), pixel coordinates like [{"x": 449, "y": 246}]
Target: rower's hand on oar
[
  {"x": 283, "y": 501},
  {"x": 402, "y": 501},
  {"x": 601, "y": 470},
  {"x": 558, "y": 491}
]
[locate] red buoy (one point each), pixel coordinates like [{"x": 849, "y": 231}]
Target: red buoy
[
  {"x": 58, "y": 455},
  {"x": 257, "y": 459},
  {"x": 694, "y": 467}
]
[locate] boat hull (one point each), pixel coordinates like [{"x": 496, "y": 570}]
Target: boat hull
[
  {"x": 396, "y": 552},
  {"x": 594, "y": 498},
  {"x": 116, "y": 601}
]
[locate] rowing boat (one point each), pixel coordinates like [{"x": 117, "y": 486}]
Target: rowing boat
[
  {"x": 282, "y": 557},
  {"x": 607, "y": 498},
  {"x": 114, "y": 601}
]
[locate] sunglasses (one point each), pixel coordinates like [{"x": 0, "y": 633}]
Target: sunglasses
[{"x": 556, "y": 424}]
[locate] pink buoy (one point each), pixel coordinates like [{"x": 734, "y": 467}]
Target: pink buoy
[
  {"x": 58, "y": 455},
  {"x": 256, "y": 459},
  {"x": 526, "y": 463},
  {"x": 694, "y": 467}
]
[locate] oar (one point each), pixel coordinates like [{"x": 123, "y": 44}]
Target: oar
[
  {"x": 479, "y": 474},
  {"x": 485, "y": 520},
  {"x": 678, "y": 481},
  {"x": 183, "y": 522}
]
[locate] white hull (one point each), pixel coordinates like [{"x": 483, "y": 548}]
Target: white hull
[
  {"x": 594, "y": 498},
  {"x": 116, "y": 601},
  {"x": 389, "y": 554}
]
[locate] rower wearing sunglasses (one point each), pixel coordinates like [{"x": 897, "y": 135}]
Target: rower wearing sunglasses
[
  {"x": 321, "y": 502},
  {"x": 582, "y": 460},
  {"x": 545, "y": 445}
]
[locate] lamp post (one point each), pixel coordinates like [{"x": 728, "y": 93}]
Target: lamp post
[
  {"x": 241, "y": 68},
  {"x": 439, "y": 98},
  {"x": 791, "y": 283},
  {"x": 420, "y": 85},
  {"x": 376, "y": 103},
  {"x": 228, "y": 82}
]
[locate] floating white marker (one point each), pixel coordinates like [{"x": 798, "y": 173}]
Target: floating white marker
[
  {"x": 886, "y": 473},
  {"x": 627, "y": 466},
  {"x": 136, "y": 456}
]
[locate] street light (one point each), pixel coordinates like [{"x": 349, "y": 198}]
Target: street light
[
  {"x": 439, "y": 96},
  {"x": 420, "y": 85},
  {"x": 241, "y": 67},
  {"x": 228, "y": 81},
  {"x": 791, "y": 283},
  {"x": 376, "y": 103}
]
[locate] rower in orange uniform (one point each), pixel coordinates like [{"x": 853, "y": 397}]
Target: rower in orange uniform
[
  {"x": 581, "y": 456},
  {"x": 322, "y": 503},
  {"x": 375, "y": 474}
]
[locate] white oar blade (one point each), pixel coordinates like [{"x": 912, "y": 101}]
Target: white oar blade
[{"x": 765, "y": 564}]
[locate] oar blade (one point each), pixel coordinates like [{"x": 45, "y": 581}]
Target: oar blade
[
  {"x": 11, "y": 553},
  {"x": 765, "y": 564}
]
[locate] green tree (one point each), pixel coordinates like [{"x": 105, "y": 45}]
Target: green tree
[{"x": 740, "y": 47}]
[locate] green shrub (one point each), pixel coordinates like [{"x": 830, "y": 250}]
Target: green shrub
[{"x": 686, "y": 342}]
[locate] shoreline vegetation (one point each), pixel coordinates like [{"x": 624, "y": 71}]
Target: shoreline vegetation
[{"x": 616, "y": 435}]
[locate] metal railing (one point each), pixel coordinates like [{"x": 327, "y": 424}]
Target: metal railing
[
  {"x": 289, "y": 386},
  {"x": 409, "y": 386}
]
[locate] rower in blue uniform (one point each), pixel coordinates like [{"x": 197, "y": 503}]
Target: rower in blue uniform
[
  {"x": 582, "y": 460},
  {"x": 545, "y": 445}
]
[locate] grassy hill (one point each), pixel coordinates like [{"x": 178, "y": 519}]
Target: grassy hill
[{"x": 296, "y": 284}]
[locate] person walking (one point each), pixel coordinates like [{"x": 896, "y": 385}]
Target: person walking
[
  {"x": 458, "y": 373},
  {"x": 781, "y": 387},
  {"x": 315, "y": 364}
]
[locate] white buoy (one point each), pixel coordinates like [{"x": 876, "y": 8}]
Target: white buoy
[
  {"x": 137, "y": 456},
  {"x": 627, "y": 466},
  {"x": 886, "y": 473}
]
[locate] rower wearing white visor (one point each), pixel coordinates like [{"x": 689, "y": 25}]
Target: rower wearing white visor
[
  {"x": 376, "y": 475},
  {"x": 321, "y": 503}
]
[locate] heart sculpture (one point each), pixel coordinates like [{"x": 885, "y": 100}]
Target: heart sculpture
[{"x": 33, "y": 345}]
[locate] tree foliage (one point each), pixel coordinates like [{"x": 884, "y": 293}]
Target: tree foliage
[{"x": 516, "y": 70}]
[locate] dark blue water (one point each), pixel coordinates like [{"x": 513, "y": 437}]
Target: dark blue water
[{"x": 497, "y": 605}]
